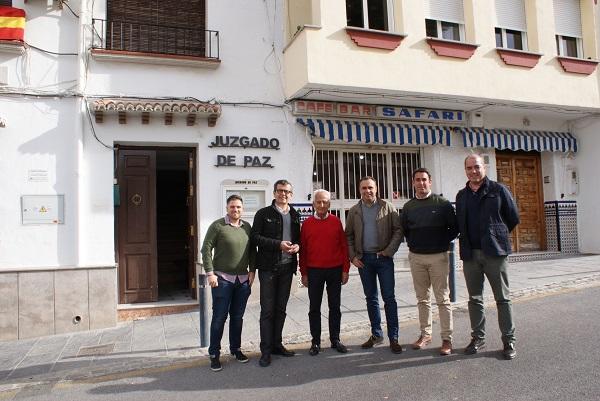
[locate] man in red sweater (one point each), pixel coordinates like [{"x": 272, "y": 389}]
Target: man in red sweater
[{"x": 324, "y": 260}]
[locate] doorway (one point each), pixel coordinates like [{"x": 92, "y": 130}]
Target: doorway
[
  {"x": 521, "y": 173},
  {"x": 155, "y": 224}
]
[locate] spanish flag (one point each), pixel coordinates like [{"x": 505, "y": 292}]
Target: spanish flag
[{"x": 12, "y": 23}]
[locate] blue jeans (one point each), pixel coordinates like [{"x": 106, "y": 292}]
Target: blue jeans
[
  {"x": 228, "y": 298},
  {"x": 381, "y": 268}
]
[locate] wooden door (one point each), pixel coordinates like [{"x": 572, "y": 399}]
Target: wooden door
[
  {"x": 138, "y": 272},
  {"x": 521, "y": 173}
]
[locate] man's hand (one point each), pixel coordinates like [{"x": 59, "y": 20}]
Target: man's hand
[
  {"x": 345, "y": 277},
  {"x": 250, "y": 278},
  {"x": 305, "y": 281},
  {"x": 288, "y": 247},
  {"x": 213, "y": 281},
  {"x": 357, "y": 262}
]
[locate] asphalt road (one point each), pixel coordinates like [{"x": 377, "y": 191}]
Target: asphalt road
[{"x": 558, "y": 359}]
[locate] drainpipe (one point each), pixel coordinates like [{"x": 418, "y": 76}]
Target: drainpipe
[
  {"x": 203, "y": 305},
  {"x": 452, "y": 271}
]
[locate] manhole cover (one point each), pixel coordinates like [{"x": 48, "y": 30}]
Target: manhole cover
[{"x": 103, "y": 349}]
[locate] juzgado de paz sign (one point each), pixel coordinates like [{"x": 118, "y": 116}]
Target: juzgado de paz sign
[{"x": 244, "y": 142}]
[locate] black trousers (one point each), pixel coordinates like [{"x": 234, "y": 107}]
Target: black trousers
[
  {"x": 317, "y": 279},
  {"x": 274, "y": 295}
]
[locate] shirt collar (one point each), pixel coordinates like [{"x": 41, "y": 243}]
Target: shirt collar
[
  {"x": 228, "y": 221},
  {"x": 425, "y": 197},
  {"x": 318, "y": 218},
  {"x": 282, "y": 211}
]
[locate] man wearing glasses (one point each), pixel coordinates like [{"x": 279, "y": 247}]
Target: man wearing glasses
[{"x": 276, "y": 233}]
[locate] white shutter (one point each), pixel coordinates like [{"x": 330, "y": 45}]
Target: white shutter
[
  {"x": 510, "y": 14},
  {"x": 567, "y": 18},
  {"x": 445, "y": 10}
]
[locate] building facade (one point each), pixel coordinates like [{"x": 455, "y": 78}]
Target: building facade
[{"x": 125, "y": 124}]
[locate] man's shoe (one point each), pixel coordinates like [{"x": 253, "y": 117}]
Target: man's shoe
[
  {"x": 373, "y": 340},
  {"x": 239, "y": 356},
  {"x": 446, "y": 348},
  {"x": 215, "y": 364},
  {"x": 283, "y": 351},
  {"x": 265, "y": 360},
  {"x": 314, "y": 349},
  {"x": 395, "y": 347},
  {"x": 422, "y": 342},
  {"x": 341, "y": 348},
  {"x": 509, "y": 351},
  {"x": 474, "y": 346}
]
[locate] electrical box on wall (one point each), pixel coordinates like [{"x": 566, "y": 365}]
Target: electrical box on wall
[{"x": 475, "y": 119}]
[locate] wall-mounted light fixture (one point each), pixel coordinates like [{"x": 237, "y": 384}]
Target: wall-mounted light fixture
[{"x": 2, "y": 123}]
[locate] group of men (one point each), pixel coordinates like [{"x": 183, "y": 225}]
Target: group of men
[{"x": 232, "y": 251}]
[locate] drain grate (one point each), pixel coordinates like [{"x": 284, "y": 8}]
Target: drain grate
[{"x": 103, "y": 349}]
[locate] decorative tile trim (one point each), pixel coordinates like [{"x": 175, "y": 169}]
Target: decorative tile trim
[
  {"x": 452, "y": 48},
  {"x": 375, "y": 39},
  {"x": 518, "y": 57},
  {"x": 577, "y": 65}
]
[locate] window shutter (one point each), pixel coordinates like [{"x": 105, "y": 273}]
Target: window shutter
[
  {"x": 445, "y": 10},
  {"x": 510, "y": 14},
  {"x": 567, "y": 18}
]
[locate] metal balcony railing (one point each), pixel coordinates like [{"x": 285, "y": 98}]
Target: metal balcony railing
[{"x": 157, "y": 39}]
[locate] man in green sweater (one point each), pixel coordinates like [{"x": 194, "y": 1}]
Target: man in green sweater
[
  {"x": 429, "y": 224},
  {"x": 227, "y": 255}
]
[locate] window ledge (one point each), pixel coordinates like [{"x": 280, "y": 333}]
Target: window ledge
[
  {"x": 452, "y": 48},
  {"x": 152, "y": 58},
  {"x": 577, "y": 65},
  {"x": 12, "y": 46},
  {"x": 519, "y": 58},
  {"x": 374, "y": 39}
]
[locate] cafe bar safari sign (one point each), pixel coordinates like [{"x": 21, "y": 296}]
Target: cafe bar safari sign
[
  {"x": 355, "y": 110},
  {"x": 244, "y": 142}
]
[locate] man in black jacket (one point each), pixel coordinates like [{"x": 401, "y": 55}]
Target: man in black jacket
[
  {"x": 486, "y": 214},
  {"x": 276, "y": 233}
]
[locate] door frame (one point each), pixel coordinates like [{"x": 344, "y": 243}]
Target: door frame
[{"x": 192, "y": 202}]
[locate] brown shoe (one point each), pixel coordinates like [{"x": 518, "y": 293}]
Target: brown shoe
[
  {"x": 422, "y": 342},
  {"x": 446, "y": 348},
  {"x": 373, "y": 340},
  {"x": 395, "y": 347}
]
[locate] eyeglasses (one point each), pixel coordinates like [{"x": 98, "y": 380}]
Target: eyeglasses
[{"x": 283, "y": 191}]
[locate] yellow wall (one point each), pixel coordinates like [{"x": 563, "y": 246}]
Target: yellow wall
[{"x": 329, "y": 57}]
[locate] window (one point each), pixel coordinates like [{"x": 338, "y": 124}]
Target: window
[
  {"x": 445, "y": 19},
  {"x": 510, "y": 39},
  {"x": 511, "y": 24},
  {"x": 157, "y": 26},
  {"x": 340, "y": 170},
  {"x": 444, "y": 30},
  {"x": 6, "y": 3},
  {"x": 567, "y": 22},
  {"x": 370, "y": 14},
  {"x": 568, "y": 46}
]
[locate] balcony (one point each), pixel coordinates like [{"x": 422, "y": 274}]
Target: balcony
[{"x": 155, "y": 44}]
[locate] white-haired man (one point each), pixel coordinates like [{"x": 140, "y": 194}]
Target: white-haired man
[{"x": 324, "y": 260}]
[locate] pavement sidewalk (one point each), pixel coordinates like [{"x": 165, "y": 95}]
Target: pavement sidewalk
[{"x": 162, "y": 341}]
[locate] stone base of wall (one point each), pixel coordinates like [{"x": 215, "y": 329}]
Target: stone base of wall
[{"x": 40, "y": 302}]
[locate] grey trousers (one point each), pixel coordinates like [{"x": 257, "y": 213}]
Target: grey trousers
[{"x": 495, "y": 269}]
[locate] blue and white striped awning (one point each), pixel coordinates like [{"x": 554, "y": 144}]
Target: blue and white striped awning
[
  {"x": 519, "y": 140},
  {"x": 382, "y": 133}
]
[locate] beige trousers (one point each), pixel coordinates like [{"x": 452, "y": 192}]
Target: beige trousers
[{"x": 431, "y": 272}]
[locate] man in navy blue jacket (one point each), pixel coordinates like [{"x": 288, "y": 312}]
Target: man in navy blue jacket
[{"x": 486, "y": 214}]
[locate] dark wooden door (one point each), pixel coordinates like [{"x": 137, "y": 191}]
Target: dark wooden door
[
  {"x": 521, "y": 173},
  {"x": 138, "y": 272}
]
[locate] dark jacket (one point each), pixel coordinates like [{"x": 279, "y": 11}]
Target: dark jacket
[
  {"x": 498, "y": 216},
  {"x": 266, "y": 234}
]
